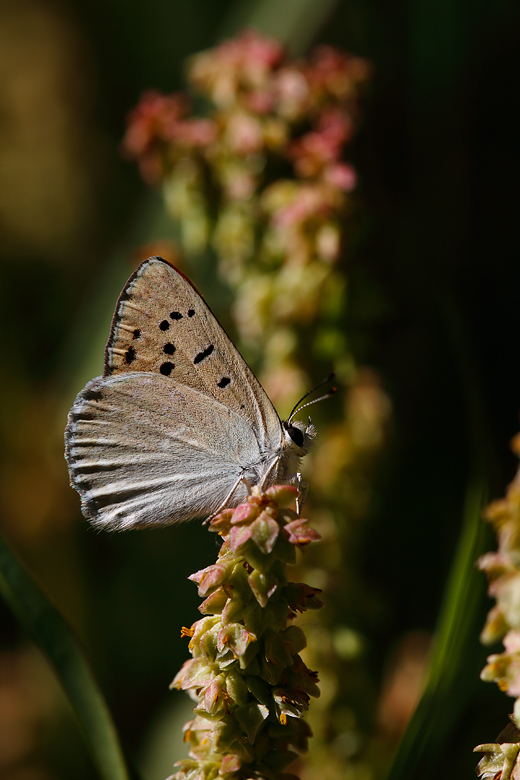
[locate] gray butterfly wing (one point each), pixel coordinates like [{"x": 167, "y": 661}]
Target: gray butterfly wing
[
  {"x": 162, "y": 325},
  {"x": 144, "y": 450}
]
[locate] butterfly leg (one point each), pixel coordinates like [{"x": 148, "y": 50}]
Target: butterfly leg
[
  {"x": 303, "y": 487},
  {"x": 267, "y": 480},
  {"x": 295, "y": 478},
  {"x": 242, "y": 479}
]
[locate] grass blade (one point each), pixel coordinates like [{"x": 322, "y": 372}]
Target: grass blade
[
  {"x": 455, "y": 637},
  {"x": 55, "y": 639},
  {"x": 296, "y": 22}
]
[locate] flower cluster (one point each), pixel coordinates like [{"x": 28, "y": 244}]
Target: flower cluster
[
  {"x": 263, "y": 176},
  {"x": 503, "y": 622},
  {"x": 500, "y": 761},
  {"x": 246, "y": 676}
]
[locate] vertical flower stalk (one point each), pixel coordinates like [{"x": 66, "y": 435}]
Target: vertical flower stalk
[
  {"x": 501, "y": 759},
  {"x": 246, "y": 676},
  {"x": 264, "y": 184}
]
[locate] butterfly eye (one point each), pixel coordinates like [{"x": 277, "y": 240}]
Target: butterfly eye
[{"x": 296, "y": 434}]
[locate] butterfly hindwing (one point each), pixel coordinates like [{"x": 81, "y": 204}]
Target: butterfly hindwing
[{"x": 140, "y": 449}]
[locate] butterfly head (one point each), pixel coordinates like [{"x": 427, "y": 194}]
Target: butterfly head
[{"x": 299, "y": 435}]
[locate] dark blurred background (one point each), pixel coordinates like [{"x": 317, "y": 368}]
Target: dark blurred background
[{"x": 434, "y": 296}]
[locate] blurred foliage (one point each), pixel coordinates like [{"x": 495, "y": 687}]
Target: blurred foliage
[{"x": 433, "y": 307}]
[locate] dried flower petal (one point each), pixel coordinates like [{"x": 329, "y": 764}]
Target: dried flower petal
[
  {"x": 300, "y": 533},
  {"x": 264, "y": 532},
  {"x": 251, "y": 718},
  {"x": 263, "y": 586},
  {"x": 245, "y": 513},
  {"x": 283, "y": 495},
  {"x": 236, "y": 637}
]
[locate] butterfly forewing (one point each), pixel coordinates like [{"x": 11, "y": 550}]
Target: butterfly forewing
[{"x": 162, "y": 325}]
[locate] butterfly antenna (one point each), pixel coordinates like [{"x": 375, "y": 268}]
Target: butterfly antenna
[{"x": 297, "y": 408}]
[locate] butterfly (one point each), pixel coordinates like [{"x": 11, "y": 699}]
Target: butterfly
[{"x": 178, "y": 426}]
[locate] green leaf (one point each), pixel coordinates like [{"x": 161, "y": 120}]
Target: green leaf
[
  {"x": 456, "y": 633},
  {"x": 55, "y": 639}
]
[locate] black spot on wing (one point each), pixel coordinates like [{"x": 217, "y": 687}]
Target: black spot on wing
[
  {"x": 224, "y": 382},
  {"x": 75, "y": 417},
  {"x": 96, "y": 503},
  {"x": 176, "y": 315},
  {"x": 169, "y": 349},
  {"x": 164, "y": 325},
  {"x": 80, "y": 469},
  {"x": 92, "y": 395},
  {"x": 191, "y": 312},
  {"x": 204, "y": 354},
  {"x": 137, "y": 333},
  {"x": 130, "y": 355},
  {"x": 166, "y": 368}
]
